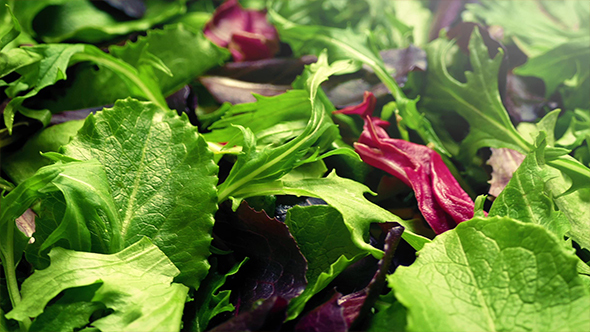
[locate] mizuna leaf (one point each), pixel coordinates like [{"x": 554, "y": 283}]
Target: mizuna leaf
[
  {"x": 477, "y": 100},
  {"x": 345, "y": 44},
  {"x": 346, "y": 196},
  {"x": 494, "y": 274},
  {"x": 136, "y": 280},
  {"x": 162, "y": 177}
]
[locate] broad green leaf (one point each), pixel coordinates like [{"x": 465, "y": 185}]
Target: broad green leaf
[
  {"x": 58, "y": 20},
  {"x": 52, "y": 68},
  {"x": 494, "y": 274},
  {"x": 345, "y": 44},
  {"x": 190, "y": 56},
  {"x": 526, "y": 198},
  {"x": 162, "y": 177},
  {"x": 392, "y": 318},
  {"x": 23, "y": 164},
  {"x": 16, "y": 58},
  {"x": 89, "y": 221},
  {"x": 477, "y": 100},
  {"x": 559, "y": 64},
  {"x": 271, "y": 124},
  {"x": 324, "y": 240},
  {"x": 346, "y": 196},
  {"x": 135, "y": 283}
]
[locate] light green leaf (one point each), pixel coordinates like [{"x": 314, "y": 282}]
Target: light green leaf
[
  {"x": 271, "y": 163},
  {"x": 347, "y": 196},
  {"x": 494, "y": 274},
  {"x": 324, "y": 240},
  {"x": 525, "y": 197},
  {"x": 346, "y": 44},
  {"x": 558, "y": 64},
  {"x": 23, "y": 164},
  {"x": 162, "y": 177},
  {"x": 136, "y": 283},
  {"x": 58, "y": 20},
  {"x": 12, "y": 33},
  {"x": 477, "y": 101},
  {"x": 180, "y": 60},
  {"x": 538, "y": 31}
]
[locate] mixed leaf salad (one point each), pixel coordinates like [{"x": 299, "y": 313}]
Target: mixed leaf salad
[{"x": 307, "y": 165}]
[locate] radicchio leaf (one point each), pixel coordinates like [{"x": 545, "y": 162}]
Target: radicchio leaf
[
  {"x": 276, "y": 266},
  {"x": 441, "y": 199},
  {"x": 246, "y": 33},
  {"x": 504, "y": 163}
]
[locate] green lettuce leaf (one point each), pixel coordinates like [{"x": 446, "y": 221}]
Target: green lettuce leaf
[
  {"x": 59, "y": 20},
  {"x": 494, "y": 274},
  {"x": 477, "y": 100},
  {"x": 325, "y": 241},
  {"x": 162, "y": 178},
  {"x": 525, "y": 197},
  {"x": 135, "y": 283}
]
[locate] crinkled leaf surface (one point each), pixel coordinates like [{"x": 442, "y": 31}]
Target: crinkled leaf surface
[
  {"x": 477, "y": 100},
  {"x": 325, "y": 241},
  {"x": 493, "y": 274},
  {"x": 136, "y": 283},
  {"x": 526, "y": 198},
  {"x": 162, "y": 178}
]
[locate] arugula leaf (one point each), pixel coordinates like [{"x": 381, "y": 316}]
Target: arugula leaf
[
  {"x": 525, "y": 198},
  {"x": 559, "y": 64},
  {"x": 477, "y": 100},
  {"x": 58, "y": 20},
  {"x": 136, "y": 280},
  {"x": 12, "y": 33},
  {"x": 52, "y": 68},
  {"x": 162, "y": 178},
  {"x": 325, "y": 241},
  {"x": 493, "y": 274},
  {"x": 258, "y": 167},
  {"x": 346, "y": 196},
  {"x": 345, "y": 44},
  {"x": 188, "y": 46}
]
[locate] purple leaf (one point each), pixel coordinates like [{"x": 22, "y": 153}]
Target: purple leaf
[
  {"x": 268, "y": 316},
  {"x": 525, "y": 98},
  {"x": 504, "y": 163},
  {"x": 225, "y": 89},
  {"x": 276, "y": 266},
  {"x": 447, "y": 12},
  {"x": 441, "y": 199},
  {"x": 74, "y": 115},
  {"x": 404, "y": 61},
  {"x": 357, "y": 305},
  {"x": 327, "y": 317},
  {"x": 246, "y": 33}
]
